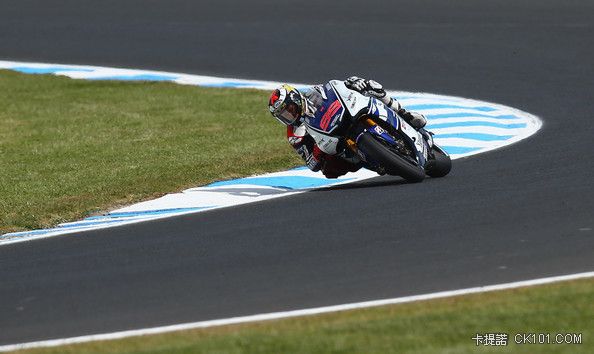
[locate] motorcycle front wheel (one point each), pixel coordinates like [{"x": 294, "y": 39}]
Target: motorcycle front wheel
[
  {"x": 391, "y": 161},
  {"x": 439, "y": 164}
]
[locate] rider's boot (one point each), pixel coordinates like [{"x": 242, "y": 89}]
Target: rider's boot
[{"x": 415, "y": 119}]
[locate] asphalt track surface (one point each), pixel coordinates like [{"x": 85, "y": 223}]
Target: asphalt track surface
[{"x": 506, "y": 215}]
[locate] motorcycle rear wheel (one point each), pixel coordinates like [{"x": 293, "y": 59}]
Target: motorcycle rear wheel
[{"x": 390, "y": 160}]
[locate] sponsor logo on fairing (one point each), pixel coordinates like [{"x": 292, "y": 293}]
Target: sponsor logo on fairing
[
  {"x": 379, "y": 130},
  {"x": 327, "y": 117}
]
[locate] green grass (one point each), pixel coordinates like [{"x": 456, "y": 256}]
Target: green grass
[
  {"x": 72, "y": 148},
  {"x": 436, "y": 326}
]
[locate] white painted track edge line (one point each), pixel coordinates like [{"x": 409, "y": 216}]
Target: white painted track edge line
[{"x": 293, "y": 313}]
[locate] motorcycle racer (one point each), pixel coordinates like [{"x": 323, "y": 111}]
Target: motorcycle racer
[{"x": 291, "y": 107}]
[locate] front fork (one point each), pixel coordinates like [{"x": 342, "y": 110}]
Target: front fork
[
  {"x": 374, "y": 129},
  {"x": 352, "y": 144}
]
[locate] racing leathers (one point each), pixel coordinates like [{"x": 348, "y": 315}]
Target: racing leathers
[{"x": 334, "y": 166}]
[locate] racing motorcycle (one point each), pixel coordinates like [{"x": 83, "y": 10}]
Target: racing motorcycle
[{"x": 362, "y": 130}]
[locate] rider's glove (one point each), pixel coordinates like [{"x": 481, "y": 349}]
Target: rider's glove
[
  {"x": 313, "y": 159},
  {"x": 356, "y": 83},
  {"x": 368, "y": 87},
  {"x": 295, "y": 135}
]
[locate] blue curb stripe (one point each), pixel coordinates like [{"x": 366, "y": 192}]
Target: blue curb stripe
[
  {"x": 86, "y": 224},
  {"x": 476, "y": 124},
  {"x": 469, "y": 115},
  {"x": 55, "y": 229},
  {"x": 147, "y": 213},
  {"x": 146, "y": 77},
  {"x": 52, "y": 70},
  {"x": 288, "y": 182},
  {"x": 27, "y": 233},
  {"x": 101, "y": 220},
  {"x": 456, "y": 150},
  {"x": 474, "y": 136},
  {"x": 419, "y": 107}
]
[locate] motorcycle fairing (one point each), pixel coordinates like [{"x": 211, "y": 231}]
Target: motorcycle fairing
[
  {"x": 380, "y": 133},
  {"x": 353, "y": 101},
  {"x": 379, "y": 111},
  {"x": 326, "y": 143},
  {"x": 329, "y": 112}
]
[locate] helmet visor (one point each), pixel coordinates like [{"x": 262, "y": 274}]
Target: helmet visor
[{"x": 289, "y": 113}]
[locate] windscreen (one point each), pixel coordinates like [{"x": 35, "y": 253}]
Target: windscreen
[{"x": 314, "y": 99}]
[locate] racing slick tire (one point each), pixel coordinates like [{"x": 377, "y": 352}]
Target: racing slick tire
[
  {"x": 391, "y": 161},
  {"x": 439, "y": 165}
]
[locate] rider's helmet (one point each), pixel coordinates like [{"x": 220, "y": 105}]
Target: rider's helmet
[{"x": 286, "y": 104}]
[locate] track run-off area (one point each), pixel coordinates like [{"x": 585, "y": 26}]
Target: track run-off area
[{"x": 519, "y": 212}]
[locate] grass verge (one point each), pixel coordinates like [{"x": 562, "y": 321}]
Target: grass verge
[
  {"x": 436, "y": 326},
  {"x": 72, "y": 148}
]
